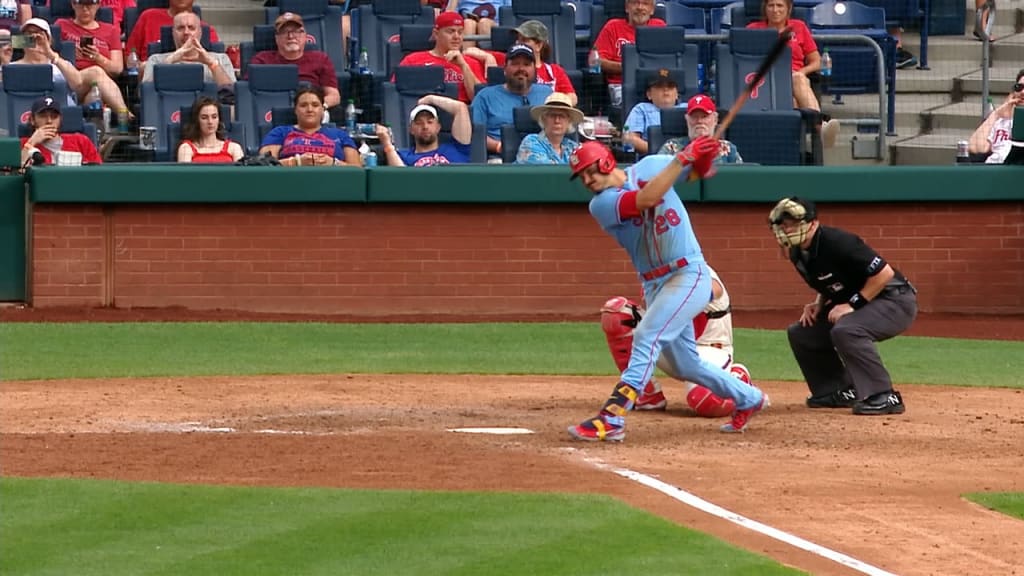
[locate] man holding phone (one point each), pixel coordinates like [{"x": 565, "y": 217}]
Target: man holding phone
[{"x": 98, "y": 53}]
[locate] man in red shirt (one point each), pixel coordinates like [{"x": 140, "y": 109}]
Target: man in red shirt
[
  {"x": 614, "y": 35},
  {"x": 447, "y": 52},
  {"x": 315, "y": 67},
  {"x": 47, "y": 138},
  {"x": 147, "y": 27}
]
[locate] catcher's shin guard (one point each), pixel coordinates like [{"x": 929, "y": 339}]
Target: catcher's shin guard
[
  {"x": 740, "y": 371},
  {"x": 610, "y": 423},
  {"x": 619, "y": 316}
]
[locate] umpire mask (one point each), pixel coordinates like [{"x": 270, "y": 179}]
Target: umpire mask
[{"x": 795, "y": 209}]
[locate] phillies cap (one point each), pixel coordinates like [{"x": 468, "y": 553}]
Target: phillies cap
[
  {"x": 519, "y": 50},
  {"x": 45, "y": 103},
  {"x": 701, "y": 102},
  {"x": 287, "y": 18},
  {"x": 422, "y": 108},
  {"x": 448, "y": 20}
]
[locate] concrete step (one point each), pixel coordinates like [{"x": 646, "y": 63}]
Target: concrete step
[
  {"x": 936, "y": 149},
  {"x": 1008, "y": 47},
  {"x": 958, "y": 116}
]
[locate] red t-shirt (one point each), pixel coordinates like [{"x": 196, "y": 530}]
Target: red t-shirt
[
  {"x": 117, "y": 7},
  {"x": 315, "y": 67},
  {"x": 105, "y": 38},
  {"x": 616, "y": 33},
  {"x": 801, "y": 44},
  {"x": 452, "y": 71},
  {"x": 72, "y": 142},
  {"x": 147, "y": 30},
  {"x": 554, "y": 75}
]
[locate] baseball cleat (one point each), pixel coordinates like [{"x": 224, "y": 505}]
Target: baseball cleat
[
  {"x": 741, "y": 418},
  {"x": 890, "y": 402},
  {"x": 838, "y": 399},
  {"x": 652, "y": 398},
  {"x": 598, "y": 429}
]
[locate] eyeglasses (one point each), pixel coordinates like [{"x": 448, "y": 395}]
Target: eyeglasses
[
  {"x": 294, "y": 32},
  {"x": 1018, "y": 87}
]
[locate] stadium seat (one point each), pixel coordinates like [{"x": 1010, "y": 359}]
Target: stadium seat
[
  {"x": 687, "y": 17},
  {"x": 234, "y": 131},
  {"x": 380, "y": 24},
  {"x": 62, "y": 9},
  {"x": 740, "y": 58},
  {"x": 323, "y": 26},
  {"x": 173, "y": 86},
  {"x": 268, "y": 86},
  {"x": 22, "y": 85},
  {"x": 412, "y": 38},
  {"x": 673, "y": 125},
  {"x": 559, "y": 19},
  {"x": 656, "y": 48},
  {"x": 71, "y": 120},
  {"x": 906, "y": 14},
  {"x": 770, "y": 138},
  {"x": 512, "y": 134},
  {"x": 262, "y": 39}
]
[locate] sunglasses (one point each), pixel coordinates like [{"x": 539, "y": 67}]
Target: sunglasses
[{"x": 1018, "y": 87}]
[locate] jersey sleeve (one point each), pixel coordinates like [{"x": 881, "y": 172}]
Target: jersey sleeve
[
  {"x": 604, "y": 207},
  {"x": 276, "y": 136},
  {"x": 342, "y": 140},
  {"x": 861, "y": 255},
  {"x": 804, "y": 38},
  {"x": 605, "y": 43}
]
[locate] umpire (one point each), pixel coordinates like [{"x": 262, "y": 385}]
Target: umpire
[{"x": 861, "y": 300}]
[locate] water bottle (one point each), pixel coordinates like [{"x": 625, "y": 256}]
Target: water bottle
[
  {"x": 627, "y": 144},
  {"x": 594, "y": 62},
  {"x": 700, "y": 79},
  {"x": 133, "y": 63},
  {"x": 95, "y": 101},
  {"x": 364, "y": 62},
  {"x": 370, "y": 161},
  {"x": 350, "y": 117},
  {"x": 826, "y": 64}
]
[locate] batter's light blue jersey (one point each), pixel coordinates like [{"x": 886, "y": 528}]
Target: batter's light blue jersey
[{"x": 661, "y": 235}]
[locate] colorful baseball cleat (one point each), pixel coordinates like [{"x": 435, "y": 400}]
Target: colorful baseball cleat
[
  {"x": 652, "y": 398},
  {"x": 741, "y": 418},
  {"x": 598, "y": 429}
]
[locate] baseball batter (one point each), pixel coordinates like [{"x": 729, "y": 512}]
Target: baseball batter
[
  {"x": 713, "y": 330},
  {"x": 640, "y": 209}
]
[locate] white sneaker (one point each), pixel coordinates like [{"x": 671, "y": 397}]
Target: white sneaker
[{"x": 829, "y": 133}]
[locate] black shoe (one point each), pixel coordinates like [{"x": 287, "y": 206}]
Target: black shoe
[
  {"x": 885, "y": 403},
  {"x": 904, "y": 59},
  {"x": 838, "y": 399}
]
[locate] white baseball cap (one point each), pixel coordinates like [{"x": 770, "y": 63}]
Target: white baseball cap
[
  {"x": 38, "y": 23},
  {"x": 422, "y": 108}
]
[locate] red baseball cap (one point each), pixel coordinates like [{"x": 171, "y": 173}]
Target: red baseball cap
[
  {"x": 701, "y": 102},
  {"x": 448, "y": 20}
]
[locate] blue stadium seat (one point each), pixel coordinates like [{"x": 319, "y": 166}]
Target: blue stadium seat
[
  {"x": 687, "y": 17},
  {"x": 235, "y": 131},
  {"x": 173, "y": 86},
  {"x": 268, "y": 86},
  {"x": 72, "y": 120},
  {"x": 512, "y": 134},
  {"x": 322, "y": 22},
  {"x": 673, "y": 125},
  {"x": 740, "y": 58},
  {"x": 412, "y": 38},
  {"x": 22, "y": 85},
  {"x": 908, "y": 14},
  {"x": 381, "y": 23},
  {"x": 559, "y": 19},
  {"x": 262, "y": 39},
  {"x": 771, "y": 138},
  {"x": 656, "y": 48}
]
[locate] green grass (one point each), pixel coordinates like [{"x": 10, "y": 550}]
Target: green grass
[
  {"x": 94, "y": 350},
  {"x": 1009, "y": 503},
  {"x": 86, "y": 527}
]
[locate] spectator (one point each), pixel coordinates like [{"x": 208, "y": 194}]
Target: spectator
[
  {"x": 47, "y": 138},
  {"x": 557, "y": 118},
  {"x": 6, "y": 48},
  {"x": 14, "y": 12},
  {"x": 100, "y": 58},
  {"x": 147, "y": 27},
  {"x": 447, "y": 52},
  {"x": 806, "y": 59},
  {"x": 493, "y": 106},
  {"x": 993, "y": 136},
  {"x": 315, "y": 67},
  {"x": 616, "y": 33},
  {"x": 701, "y": 120},
  {"x": 904, "y": 58},
  {"x": 202, "y": 137},
  {"x": 41, "y": 52},
  {"x": 479, "y": 16},
  {"x": 663, "y": 93},
  {"x": 308, "y": 143},
  {"x": 187, "y": 32},
  {"x": 424, "y": 126},
  {"x": 534, "y": 34}
]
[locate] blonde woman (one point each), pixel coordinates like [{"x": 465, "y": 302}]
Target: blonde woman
[{"x": 552, "y": 145}]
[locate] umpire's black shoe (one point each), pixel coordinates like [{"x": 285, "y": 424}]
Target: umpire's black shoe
[
  {"x": 838, "y": 399},
  {"x": 885, "y": 403}
]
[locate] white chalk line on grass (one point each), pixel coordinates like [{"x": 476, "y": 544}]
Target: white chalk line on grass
[{"x": 694, "y": 501}]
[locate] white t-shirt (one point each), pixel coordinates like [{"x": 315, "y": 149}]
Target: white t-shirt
[{"x": 999, "y": 138}]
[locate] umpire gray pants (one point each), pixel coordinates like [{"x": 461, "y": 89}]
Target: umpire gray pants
[{"x": 844, "y": 355}]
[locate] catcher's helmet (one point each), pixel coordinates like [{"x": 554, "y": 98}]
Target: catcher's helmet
[{"x": 589, "y": 153}]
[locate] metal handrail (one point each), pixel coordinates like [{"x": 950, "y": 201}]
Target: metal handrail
[{"x": 986, "y": 45}]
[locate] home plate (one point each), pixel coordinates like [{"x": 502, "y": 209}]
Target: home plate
[{"x": 492, "y": 430}]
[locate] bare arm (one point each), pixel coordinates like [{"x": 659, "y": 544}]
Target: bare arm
[
  {"x": 352, "y": 157},
  {"x": 462, "y": 125},
  {"x": 389, "y": 147},
  {"x": 332, "y": 97},
  {"x": 979, "y": 142},
  {"x": 609, "y": 67},
  {"x": 184, "y": 153},
  {"x": 235, "y": 149},
  {"x": 812, "y": 63}
]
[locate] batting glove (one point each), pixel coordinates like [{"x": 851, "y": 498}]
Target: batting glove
[{"x": 700, "y": 154}]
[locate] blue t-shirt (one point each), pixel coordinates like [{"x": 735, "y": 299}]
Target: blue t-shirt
[
  {"x": 493, "y": 105},
  {"x": 447, "y": 153},
  {"x": 293, "y": 141},
  {"x": 657, "y": 237},
  {"x": 537, "y": 149},
  {"x": 643, "y": 116}
]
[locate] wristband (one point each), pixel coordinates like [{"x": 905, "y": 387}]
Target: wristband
[{"x": 858, "y": 301}]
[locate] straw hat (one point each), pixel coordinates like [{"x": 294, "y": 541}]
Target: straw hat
[{"x": 557, "y": 102}]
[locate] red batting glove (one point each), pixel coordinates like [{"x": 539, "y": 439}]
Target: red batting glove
[{"x": 700, "y": 154}]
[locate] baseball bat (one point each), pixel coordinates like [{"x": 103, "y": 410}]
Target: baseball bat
[{"x": 766, "y": 64}]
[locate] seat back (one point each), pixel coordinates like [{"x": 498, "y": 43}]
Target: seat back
[
  {"x": 412, "y": 38},
  {"x": 560, "y": 20},
  {"x": 737, "y": 62},
  {"x": 262, "y": 39},
  {"x": 512, "y": 134},
  {"x": 689, "y": 17},
  {"x": 323, "y": 26},
  {"x": 770, "y": 137},
  {"x": 656, "y": 48},
  {"x": 268, "y": 86},
  {"x": 401, "y": 96},
  {"x": 582, "y": 20},
  {"x": 856, "y": 15},
  {"x": 380, "y": 24},
  {"x": 673, "y": 125},
  {"x": 72, "y": 120},
  {"x": 898, "y": 12},
  {"x": 173, "y": 87},
  {"x": 22, "y": 85}
]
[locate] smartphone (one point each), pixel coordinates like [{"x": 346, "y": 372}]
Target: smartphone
[
  {"x": 85, "y": 42},
  {"x": 23, "y": 41}
]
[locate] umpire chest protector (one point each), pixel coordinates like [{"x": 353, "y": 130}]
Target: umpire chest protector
[{"x": 837, "y": 264}]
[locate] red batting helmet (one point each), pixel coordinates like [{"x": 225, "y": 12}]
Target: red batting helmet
[{"x": 589, "y": 153}]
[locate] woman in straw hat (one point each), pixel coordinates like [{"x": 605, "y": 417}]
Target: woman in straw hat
[{"x": 557, "y": 118}]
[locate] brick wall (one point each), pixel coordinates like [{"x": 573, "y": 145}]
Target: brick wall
[{"x": 467, "y": 259}]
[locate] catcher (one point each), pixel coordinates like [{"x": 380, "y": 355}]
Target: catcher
[{"x": 713, "y": 328}]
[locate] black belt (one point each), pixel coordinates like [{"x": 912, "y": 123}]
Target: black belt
[
  {"x": 899, "y": 289},
  {"x": 719, "y": 313}
]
